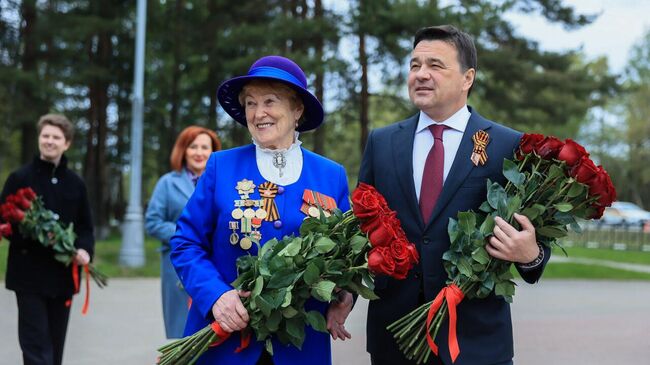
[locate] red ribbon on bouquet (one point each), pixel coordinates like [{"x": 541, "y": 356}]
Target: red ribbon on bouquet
[
  {"x": 75, "y": 279},
  {"x": 453, "y": 295},
  {"x": 223, "y": 335}
]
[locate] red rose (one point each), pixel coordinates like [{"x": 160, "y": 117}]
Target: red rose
[
  {"x": 528, "y": 142},
  {"x": 403, "y": 258},
  {"x": 549, "y": 147},
  {"x": 380, "y": 261},
  {"x": 601, "y": 186},
  {"x": 20, "y": 201},
  {"x": 370, "y": 225},
  {"x": 5, "y": 230},
  {"x": 415, "y": 256},
  {"x": 11, "y": 213},
  {"x": 27, "y": 193},
  {"x": 367, "y": 202},
  {"x": 385, "y": 232},
  {"x": 571, "y": 152},
  {"x": 584, "y": 170}
]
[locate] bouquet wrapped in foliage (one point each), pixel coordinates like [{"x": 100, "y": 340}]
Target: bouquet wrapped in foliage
[
  {"x": 27, "y": 211},
  {"x": 342, "y": 251},
  {"x": 551, "y": 182}
]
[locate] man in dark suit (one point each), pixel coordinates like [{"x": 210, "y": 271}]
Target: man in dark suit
[{"x": 428, "y": 184}]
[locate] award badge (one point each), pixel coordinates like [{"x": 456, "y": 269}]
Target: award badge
[
  {"x": 312, "y": 200},
  {"x": 249, "y": 213},
  {"x": 481, "y": 140}
]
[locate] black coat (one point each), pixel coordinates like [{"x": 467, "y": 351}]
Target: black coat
[{"x": 31, "y": 267}]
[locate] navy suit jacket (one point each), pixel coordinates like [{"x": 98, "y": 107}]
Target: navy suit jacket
[{"x": 484, "y": 325}]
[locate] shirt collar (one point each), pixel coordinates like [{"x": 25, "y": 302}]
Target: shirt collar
[{"x": 458, "y": 121}]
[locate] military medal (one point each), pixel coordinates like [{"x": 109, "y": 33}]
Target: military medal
[
  {"x": 268, "y": 192},
  {"x": 312, "y": 200},
  {"x": 237, "y": 213},
  {"x": 249, "y": 213},
  {"x": 245, "y": 243},
  {"x": 244, "y": 188},
  {"x": 481, "y": 140},
  {"x": 234, "y": 237}
]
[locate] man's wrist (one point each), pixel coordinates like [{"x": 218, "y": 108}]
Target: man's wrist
[{"x": 537, "y": 262}]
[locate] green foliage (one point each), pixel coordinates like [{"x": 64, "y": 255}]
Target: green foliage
[{"x": 288, "y": 272}]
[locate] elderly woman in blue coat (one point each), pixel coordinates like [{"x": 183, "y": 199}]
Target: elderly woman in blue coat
[
  {"x": 188, "y": 159},
  {"x": 254, "y": 193}
]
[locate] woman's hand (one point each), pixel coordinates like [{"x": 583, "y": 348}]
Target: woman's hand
[
  {"x": 82, "y": 257},
  {"x": 229, "y": 312},
  {"x": 337, "y": 313}
]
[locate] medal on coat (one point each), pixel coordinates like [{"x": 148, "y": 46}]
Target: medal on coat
[
  {"x": 314, "y": 202},
  {"x": 481, "y": 140},
  {"x": 268, "y": 192},
  {"x": 234, "y": 237}
]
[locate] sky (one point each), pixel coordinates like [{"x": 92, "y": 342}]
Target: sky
[{"x": 621, "y": 24}]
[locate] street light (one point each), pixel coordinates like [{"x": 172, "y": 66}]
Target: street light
[{"x": 132, "y": 251}]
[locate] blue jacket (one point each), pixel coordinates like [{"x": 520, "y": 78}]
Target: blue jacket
[
  {"x": 205, "y": 259},
  {"x": 167, "y": 202},
  {"x": 484, "y": 325}
]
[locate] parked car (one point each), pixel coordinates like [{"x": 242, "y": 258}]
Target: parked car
[{"x": 625, "y": 214}]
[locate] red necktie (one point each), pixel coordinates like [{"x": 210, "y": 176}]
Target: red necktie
[{"x": 433, "y": 172}]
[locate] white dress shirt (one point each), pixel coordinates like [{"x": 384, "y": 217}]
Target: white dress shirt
[
  {"x": 290, "y": 173},
  {"x": 424, "y": 141}
]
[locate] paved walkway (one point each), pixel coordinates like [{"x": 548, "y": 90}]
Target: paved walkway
[{"x": 556, "y": 322}]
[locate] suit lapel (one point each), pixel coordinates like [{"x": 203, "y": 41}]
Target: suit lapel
[
  {"x": 402, "y": 146},
  {"x": 182, "y": 182},
  {"x": 462, "y": 164}
]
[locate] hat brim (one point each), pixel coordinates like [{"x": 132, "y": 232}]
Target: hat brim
[{"x": 228, "y": 95}]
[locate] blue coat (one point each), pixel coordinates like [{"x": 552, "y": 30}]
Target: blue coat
[
  {"x": 165, "y": 206},
  {"x": 205, "y": 259},
  {"x": 484, "y": 325}
]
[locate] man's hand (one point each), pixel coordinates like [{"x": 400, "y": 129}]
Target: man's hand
[
  {"x": 337, "y": 313},
  {"x": 82, "y": 257},
  {"x": 229, "y": 312},
  {"x": 509, "y": 244}
]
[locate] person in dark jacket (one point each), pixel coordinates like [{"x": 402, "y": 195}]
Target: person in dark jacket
[{"x": 44, "y": 286}]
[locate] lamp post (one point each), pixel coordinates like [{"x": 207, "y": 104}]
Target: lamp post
[{"x": 132, "y": 251}]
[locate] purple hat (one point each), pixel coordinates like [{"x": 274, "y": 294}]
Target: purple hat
[{"x": 274, "y": 68}]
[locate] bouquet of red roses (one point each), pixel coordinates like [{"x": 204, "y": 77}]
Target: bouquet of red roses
[
  {"x": 26, "y": 209},
  {"x": 342, "y": 251},
  {"x": 553, "y": 183}
]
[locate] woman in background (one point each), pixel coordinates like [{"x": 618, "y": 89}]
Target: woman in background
[{"x": 188, "y": 159}]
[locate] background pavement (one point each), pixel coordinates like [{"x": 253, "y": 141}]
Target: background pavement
[{"x": 555, "y": 322}]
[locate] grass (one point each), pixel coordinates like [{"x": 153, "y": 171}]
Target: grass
[
  {"x": 591, "y": 272},
  {"x": 107, "y": 253},
  {"x": 630, "y": 257}
]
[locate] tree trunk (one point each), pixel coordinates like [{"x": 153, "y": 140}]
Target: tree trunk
[
  {"x": 363, "y": 111},
  {"x": 96, "y": 169},
  {"x": 28, "y": 104}
]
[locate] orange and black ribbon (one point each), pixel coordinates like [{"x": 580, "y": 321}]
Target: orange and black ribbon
[
  {"x": 453, "y": 295},
  {"x": 268, "y": 192},
  {"x": 481, "y": 140}
]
